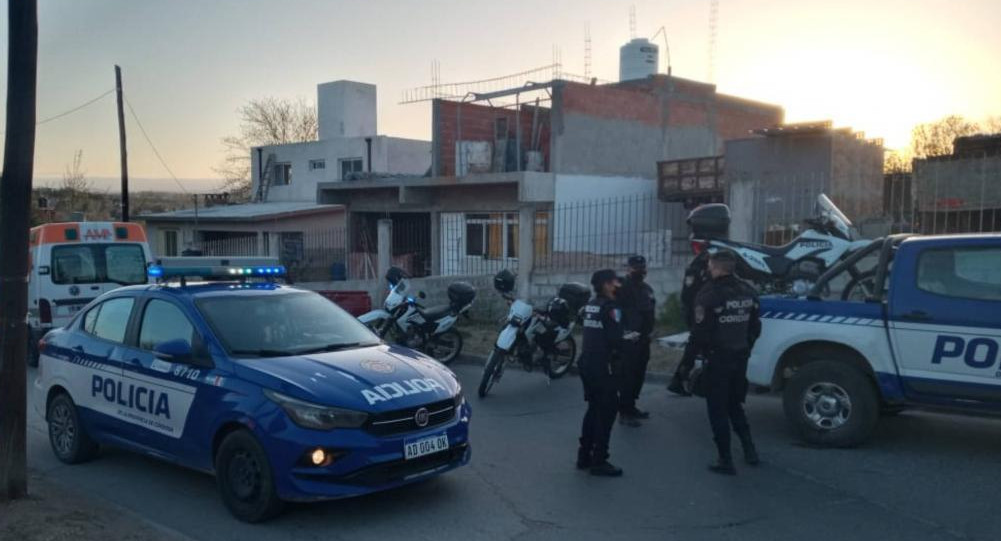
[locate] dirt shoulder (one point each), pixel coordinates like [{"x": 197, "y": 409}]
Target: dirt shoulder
[{"x": 53, "y": 513}]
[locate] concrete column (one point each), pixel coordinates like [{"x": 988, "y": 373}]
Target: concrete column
[
  {"x": 435, "y": 243},
  {"x": 260, "y": 243},
  {"x": 526, "y": 249},
  {"x": 274, "y": 250},
  {"x": 385, "y": 246}
]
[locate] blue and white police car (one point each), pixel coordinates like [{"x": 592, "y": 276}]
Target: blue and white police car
[{"x": 276, "y": 390}]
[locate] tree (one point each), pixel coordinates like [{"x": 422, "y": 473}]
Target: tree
[
  {"x": 935, "y": 138},
  {"x": 896, "y": 161},
  {"x": 991, "y": 124},
  {"x": 264, "y": 121},
  {"x": 74, "y": 188}
]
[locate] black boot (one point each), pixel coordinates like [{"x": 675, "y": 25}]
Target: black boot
[
  {"x": 750, "y": 452},
  {"x": 638, "y": 413},
  {"x": 677, "y": 386},
  {"x": 605, "y": 469},
  {"x": 583, "y": 458},
  {"x": 723, "y": 466},
  {"x": 629, "y": 419}
]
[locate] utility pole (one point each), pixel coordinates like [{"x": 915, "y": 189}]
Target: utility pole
[
  {"x": 121, "y": 143},
  {"x": 15, "y": 210}
]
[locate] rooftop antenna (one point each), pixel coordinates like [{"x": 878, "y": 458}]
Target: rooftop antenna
[
  {"x": 587, "y": 50},
  {"x": 713, "y": 22},
  {"x": 632, "y": 22},
  {"x": 667, "y": 48},
  {"x": 435, "y": 76}
]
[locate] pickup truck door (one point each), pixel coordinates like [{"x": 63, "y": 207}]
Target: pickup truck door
[{"x": 945, "y": 320}]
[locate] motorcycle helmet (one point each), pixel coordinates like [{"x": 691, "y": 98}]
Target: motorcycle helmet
[
  {"x": 504, "y": 281},
  {"x": 394, "y": 275},
  {"x": 559, "y": 311}
]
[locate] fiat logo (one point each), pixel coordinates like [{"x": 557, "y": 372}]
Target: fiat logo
[
  {"x": 382, "y": 367},
  {"x": 421, "y": 417}
]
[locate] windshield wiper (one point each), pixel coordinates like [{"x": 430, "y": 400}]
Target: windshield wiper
[
  {"x": 264, "y": 352},
  {"x": 335, "y": 347}
]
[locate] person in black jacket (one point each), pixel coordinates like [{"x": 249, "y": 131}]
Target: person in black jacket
[
  {"x": 603, "y": 338},
  {"x": 638, "y": 315},
  {"x": 726, "y": 325},
  {"x": 696, "y": 276}
]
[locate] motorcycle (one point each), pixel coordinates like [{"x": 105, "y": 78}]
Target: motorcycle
[
  {"x": 535, "y": 337},
  {"x": 794, "y": 267},
  {"x": 404, "y": 320}
]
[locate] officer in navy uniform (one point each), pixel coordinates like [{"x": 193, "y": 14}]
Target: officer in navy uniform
[
  {"x": 696, "y": 276},
  {"x": 599, "y": 370},
  {"x": 638, "y": 315},
  {"x": 726, "y": 325}
]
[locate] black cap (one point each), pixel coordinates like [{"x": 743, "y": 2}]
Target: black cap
[
  {"x": 602, "y": 277},
  {"x": 636, "y": 261},
  {"x": 723, "y": 256}
]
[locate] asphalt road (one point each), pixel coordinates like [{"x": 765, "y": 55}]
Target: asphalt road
[{"x": 924, "y": 477}]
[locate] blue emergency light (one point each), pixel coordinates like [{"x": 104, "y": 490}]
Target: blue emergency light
[{"x": 217, "y": 268}]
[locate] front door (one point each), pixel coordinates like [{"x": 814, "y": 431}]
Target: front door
[{"x": 946, "y": 323}]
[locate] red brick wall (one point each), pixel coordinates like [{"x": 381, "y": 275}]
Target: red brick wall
[{"x": 478, "y": 125}]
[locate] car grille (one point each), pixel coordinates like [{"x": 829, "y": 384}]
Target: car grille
[
  {"x": 402, "y": 421},
  {"x": 401, "y": 470}
]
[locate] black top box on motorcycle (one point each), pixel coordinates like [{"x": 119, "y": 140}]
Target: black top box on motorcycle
[
  {"x": 394, "y": 275},
  {"x": 576, "y": 294},
  {"x": 559, "y": 311},
  {"x": 460, "y": 294},
  {"x": 711, "y": 220},
  {"x": 504, "y": 281}
]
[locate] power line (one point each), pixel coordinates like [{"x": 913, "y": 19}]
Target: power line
[
  {"x": 152, "y": 146},
  {"x": 75, "y": 109}
]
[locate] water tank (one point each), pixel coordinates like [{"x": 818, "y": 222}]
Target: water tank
[{"x": 638, "y": 59}]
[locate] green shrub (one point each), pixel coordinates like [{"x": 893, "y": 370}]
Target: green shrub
[{"x": 671, "y": 318}]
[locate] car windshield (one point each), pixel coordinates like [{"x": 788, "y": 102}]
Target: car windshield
[
  {"x": 118, "y": 263},
  {"x": 280, "y": 325}
]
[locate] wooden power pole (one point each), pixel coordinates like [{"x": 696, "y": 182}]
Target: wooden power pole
[
  {"x": 15, "y": 205},
  {"x": 121, "y": 143}
]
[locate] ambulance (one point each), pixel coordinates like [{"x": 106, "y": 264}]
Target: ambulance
[{"x": 73, "y": 263}]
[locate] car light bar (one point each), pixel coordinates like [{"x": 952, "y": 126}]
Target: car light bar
[{"x": 215, "y": 267}]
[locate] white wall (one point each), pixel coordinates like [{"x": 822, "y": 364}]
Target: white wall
[
  {"x": 389, "y": 155},
  {"x": 346, "y": 109}
]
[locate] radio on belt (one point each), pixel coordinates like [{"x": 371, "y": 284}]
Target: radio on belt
[{"x": 217, "y": 268}]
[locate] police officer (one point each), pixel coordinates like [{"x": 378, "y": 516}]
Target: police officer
[
  {"x": 638, "y": 313},
  {"x": 726, "y": 325},
  {"x": 696, "y": 276},
  {"x": 599, "y": 371}
]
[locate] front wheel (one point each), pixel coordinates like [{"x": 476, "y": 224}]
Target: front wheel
[
  {"x": 564, "y": 355},
  {"x": 445, "y": 347},
  {"x": 491, "y": 371},
  {"x": 831, "y": 404},
  {"x": 861, "y": 288},
  {"x": 245, "y": 479}
]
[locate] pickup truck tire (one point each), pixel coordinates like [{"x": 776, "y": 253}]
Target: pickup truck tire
[
  {"x": 858, "y": 289},
  {"x": 831, "y": 404}
]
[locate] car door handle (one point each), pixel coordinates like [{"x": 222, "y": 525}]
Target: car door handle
[
  {"x": 78, "y": 349},
  {"x": 95, "y": 288},
  {"x": 916, "y": 315}
]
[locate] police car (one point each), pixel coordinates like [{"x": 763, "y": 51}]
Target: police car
[
  {"x": 927, "y": 333},
  {"x": 277, "y": 391}
]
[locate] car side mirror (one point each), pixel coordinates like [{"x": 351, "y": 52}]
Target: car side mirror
[
  {"x": 177, "y": 351},
  {"x": 422, "y": 295}
]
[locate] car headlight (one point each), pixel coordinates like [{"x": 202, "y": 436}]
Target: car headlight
[{"x": 315, "y": 416}]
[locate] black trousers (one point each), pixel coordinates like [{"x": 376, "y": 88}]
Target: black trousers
[
  {"x": 602, "y": 406},
  {"x": 635, "y": 358},
  {"x": 726, "y": 391},
  {"x": 687, "y": 362}
]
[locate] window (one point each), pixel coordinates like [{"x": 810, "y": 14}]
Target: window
[
  {"x": 109, "y": 319},
  {"x": 163, "y": 322},
  {"x": 350, "y": 166},
  {"x": 121, "y": 263},
  {"x": 170, "y": 243},
  {"x": 283, "y": 174},
  {"x": 475, "y": 231},
  {"x": 317, "y": 164},
  {"x": 970, "y": 273},
  {"x": 494, "y": 236}
]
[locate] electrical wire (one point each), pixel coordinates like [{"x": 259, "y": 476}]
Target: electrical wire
[
  {"x": 152, "y": 146},
  {"x": 73, "y": 110}
]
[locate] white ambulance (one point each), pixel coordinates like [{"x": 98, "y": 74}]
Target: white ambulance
[{"x": 72, "y": 263}]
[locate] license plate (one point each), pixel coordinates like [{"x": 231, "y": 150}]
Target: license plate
[{"x": 426, "y": 446}]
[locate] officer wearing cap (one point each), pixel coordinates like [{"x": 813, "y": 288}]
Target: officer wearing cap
[
  {"x": 600, "y": 352},
  {"x": 638, "y": 314},
  {"x": 726, "y": 325}
]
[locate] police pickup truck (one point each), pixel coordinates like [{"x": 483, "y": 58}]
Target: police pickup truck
[{"x": 924, "y": 332}]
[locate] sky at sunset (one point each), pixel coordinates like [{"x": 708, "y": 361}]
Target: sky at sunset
[{"x": 879, "y": 66}]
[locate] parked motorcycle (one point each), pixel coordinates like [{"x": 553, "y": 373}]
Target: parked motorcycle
[
  {"x": 537, "y": 338},
  {"x": 792, "y": 268},
  {"x": 404, "y": 320}
]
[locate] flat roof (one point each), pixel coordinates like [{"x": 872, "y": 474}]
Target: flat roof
[{"x": 247, "y": 212}]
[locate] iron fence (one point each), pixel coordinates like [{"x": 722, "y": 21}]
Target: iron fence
[
  {"x": 593, "y": 234},
  {"x": 309, "y": 255}
]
